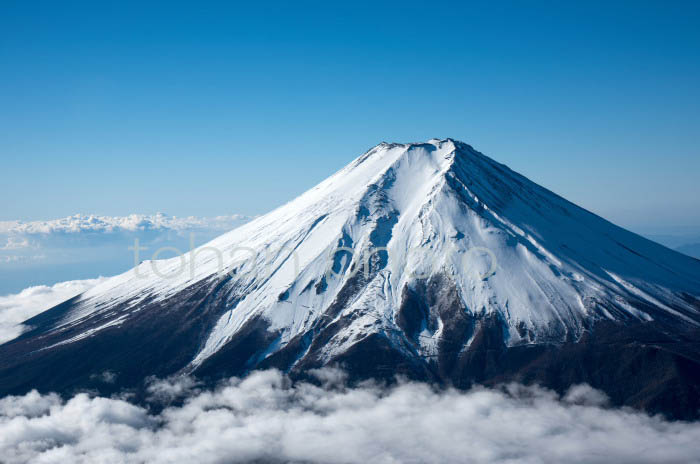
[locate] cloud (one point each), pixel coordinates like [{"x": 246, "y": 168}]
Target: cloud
[
  {"x": 16, "y": 243},
  {"x": 105, "y": 377},
  {"x": 21, "y": 258},
  {"x": 266, "y": 418},
  {"x": 165, "y": 391},
  {"x": 133, "y": 223},
  {"x": 17, "y": 308},
  {"x": 58, "y": 249}
]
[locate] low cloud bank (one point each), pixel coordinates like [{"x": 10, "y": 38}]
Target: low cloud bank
[
  {"x": 264, "y": 418},
  {"x": 17, "y": 308}
]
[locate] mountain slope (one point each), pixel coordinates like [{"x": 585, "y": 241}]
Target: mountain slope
[
  {"x": 690, "y": 249},
  {"x": 430, "y": 260}
]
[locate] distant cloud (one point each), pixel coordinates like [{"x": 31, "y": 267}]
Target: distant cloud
[
  {"x": 21, "y": 258},
  {"x": 17, "y": 308},
  {"x": 132, "y": 223},
  {"x": 264, "y": 418},
  {"x": 53, "y": 250},
  {"x": 16, "y": 243}
]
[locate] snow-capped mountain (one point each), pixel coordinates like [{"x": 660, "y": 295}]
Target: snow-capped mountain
[{"x": 429, "y": 260}]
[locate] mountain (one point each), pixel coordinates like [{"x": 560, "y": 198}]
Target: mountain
[
  {"x": 690, "y": 249},
  {"x": 427, "y": 260}
]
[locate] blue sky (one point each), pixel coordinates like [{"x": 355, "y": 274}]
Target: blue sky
[{"x": 219, "y": 108}]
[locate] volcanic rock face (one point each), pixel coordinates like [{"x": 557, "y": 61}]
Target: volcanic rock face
[{"x": 428, "y": 260}]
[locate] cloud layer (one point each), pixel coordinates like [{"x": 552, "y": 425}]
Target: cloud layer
[
  {"x": 132, "y": 223},
  {"x": 264, "y": 418},
  {"x": 17, "y": 308}
]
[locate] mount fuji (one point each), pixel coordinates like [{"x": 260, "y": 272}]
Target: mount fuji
[{"x": 429, "y": 261}]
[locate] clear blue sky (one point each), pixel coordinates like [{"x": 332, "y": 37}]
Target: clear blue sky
[{"x": 213, "y": 108}]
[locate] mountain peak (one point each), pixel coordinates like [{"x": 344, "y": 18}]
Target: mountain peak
[
  {"x": 443, "y": 151},
  {"x": 436, "y": 142}
]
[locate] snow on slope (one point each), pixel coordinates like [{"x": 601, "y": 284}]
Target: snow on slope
[{"x": 512, "y": 248}]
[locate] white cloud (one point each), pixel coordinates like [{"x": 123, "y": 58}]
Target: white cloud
[
  {"x": 21, "y": 258},
  {"x": 18, "y": 307},
  {"x": 132, "y": 223},
  {"x": 52, "y": 250},
  {"x": 167, "y": 390},
  {"x": 105, "y": 377},
  {"x": 16, "y": 243},
  {"x": 266, "y": 418}
]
